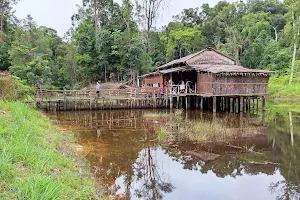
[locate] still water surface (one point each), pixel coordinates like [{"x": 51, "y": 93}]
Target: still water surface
[{"x": 129, "y": 163}]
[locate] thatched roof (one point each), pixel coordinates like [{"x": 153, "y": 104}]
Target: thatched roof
[
  {"x": 185, "y": 60},
  {"x": 228, "y": 69},
  {"x": 176, "y": 69},
  {"x": 208, "y": 60}
]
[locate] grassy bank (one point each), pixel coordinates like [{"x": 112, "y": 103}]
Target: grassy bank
[
  {"x": 279, "y": 88},
  {"x": 35, "y": 159}
]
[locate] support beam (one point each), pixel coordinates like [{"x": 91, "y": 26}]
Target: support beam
[
  {"x": 227, "y": 106},
  {"x": 263, "y": 99},
  {"x": 201, "y": 103},
  {"x": 186, "y": 102},
  {"x": 214, "y": 104},
  {"x": 241, "y": 104}
]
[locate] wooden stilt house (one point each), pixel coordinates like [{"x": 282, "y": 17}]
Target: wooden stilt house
[{"x": 208, "y": 73}]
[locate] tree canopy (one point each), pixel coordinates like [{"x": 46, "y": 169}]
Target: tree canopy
[{"x": 107, "y": 40}]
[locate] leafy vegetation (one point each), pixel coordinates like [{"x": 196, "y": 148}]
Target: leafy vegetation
[
  {"x": 31, "y": 158},
  {"x": 177, "y": 129},
  {"x": 107, "y": 41}
]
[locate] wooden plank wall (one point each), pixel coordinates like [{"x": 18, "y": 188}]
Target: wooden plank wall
[
  {"x": 204, "y": 83},
  {"x": 152, "y": 79},
  {"x": 240, "y": 85}
]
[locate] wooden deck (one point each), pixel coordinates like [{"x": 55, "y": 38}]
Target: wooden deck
[
  {"x": 59, "y": 100},
  {"x": 143, "y": 98}
]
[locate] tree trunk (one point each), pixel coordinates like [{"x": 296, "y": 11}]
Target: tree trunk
[
  {"x": 236, "y": 49},
  {"x": 96, "y": 16},
  {"x": 293, "y": 64},
  {"x": 276, "y": 34},
  {"x": 1, "y": 25},
  {"x": 105, "y": 74},
  {"x": 295, "y": 48}
]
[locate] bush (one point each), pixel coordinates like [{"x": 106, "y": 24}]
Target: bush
[{"x": 12, "y": 89}]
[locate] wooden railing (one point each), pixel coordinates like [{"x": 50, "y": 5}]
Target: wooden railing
[
  {"x": 186, "y": 89},
  {"x": 55, "y": 95}
]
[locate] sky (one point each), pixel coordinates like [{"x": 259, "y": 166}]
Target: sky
[{"x": 57, "y": 13}]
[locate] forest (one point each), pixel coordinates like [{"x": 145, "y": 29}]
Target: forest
[{"x": 108, "y": 41}]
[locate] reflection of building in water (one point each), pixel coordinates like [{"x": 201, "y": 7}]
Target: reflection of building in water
[
  {"x": 121, "y": 148},
  {"x": 118, "y": 146}
]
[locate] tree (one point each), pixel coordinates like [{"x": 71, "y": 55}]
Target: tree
[
  {"x": 5, "y": 9},
  {"x": 295, "y": 15},
  {"x": 151, "y": 10}
]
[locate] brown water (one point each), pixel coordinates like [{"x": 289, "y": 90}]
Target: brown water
[{"x": 129, "y": 163}]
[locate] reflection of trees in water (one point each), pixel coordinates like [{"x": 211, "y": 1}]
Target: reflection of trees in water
[
  {"x": 286, "y": 133},
  {"x": 227, "y": 165},
  {"x": 151, "y": 177},
  {"x": 119, "y": 153}
]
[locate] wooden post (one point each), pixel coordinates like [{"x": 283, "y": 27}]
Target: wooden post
[
  {"x": 263, "y": 99},
  {"x": 247, "y": 104},
  {"x": 171, "y": 95},
  {"x": 75, "y": 101},
  {"x": 214, "y": 104},
  {"x": 257, "y": 105},
  {"x": 227, "y": 104},
  {"x": 201, "y": 103},
  {"x": 166, "y": 98},
  {"x": 186, "y": 103},
  {"x": 253, "y": 106},
  {"x": 230, "y": 104},
  {"x": 65, "y": 99},
  {"x": 234, "y": 105},
  {"x": 241, "y": 104},
  {"x": 90, "y": 96}
]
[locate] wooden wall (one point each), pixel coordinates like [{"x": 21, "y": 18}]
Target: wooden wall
[
  {"x": 150, "y": 80},
  {"x": 204, "y": 83},
  {"x": 240, "y": 85},
  {"x": 211, "y": 84}
]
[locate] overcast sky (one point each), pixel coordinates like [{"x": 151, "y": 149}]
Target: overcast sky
[{"x": 57, "y": 13}]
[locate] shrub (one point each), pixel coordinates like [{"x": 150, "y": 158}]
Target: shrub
[{"x": 12, "y": 89}]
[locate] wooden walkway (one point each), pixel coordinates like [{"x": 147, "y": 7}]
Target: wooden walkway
[
  {"x": 143, "y": 98},
  {"x": 60, "y": 100}
]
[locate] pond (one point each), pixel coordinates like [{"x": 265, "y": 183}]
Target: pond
[{"x": 129, "y": 162}]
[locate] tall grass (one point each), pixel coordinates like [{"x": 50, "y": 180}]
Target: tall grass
[
  {"x": 178, "y": 129},
  {"x": 162, "y": 134},
  {"x": 279, "y": 86},
  {"x": 33, "y": 164},
  {"x": 155, "y": 115}
]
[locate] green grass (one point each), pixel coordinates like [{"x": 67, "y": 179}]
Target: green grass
[
  {"x": 279, "y": 87},
  {"x": 162, "y": 134},
  {"x": 156, "y": 115},
  {"x": 201, "y": 131},
  {"x": 36, "y": 161}
]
